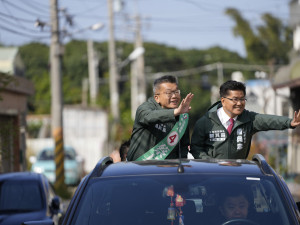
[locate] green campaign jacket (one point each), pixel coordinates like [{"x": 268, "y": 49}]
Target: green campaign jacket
[
  {"x": 152, "y": 123},
  {"x": 210, "y": 139}
]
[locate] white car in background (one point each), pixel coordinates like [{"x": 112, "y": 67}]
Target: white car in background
[{"x": 44, "y": 163}]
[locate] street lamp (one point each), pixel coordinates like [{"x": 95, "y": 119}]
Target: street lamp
[
  {"x": 132, "y": 56},
  {"x": 135, "y": 84},
  {"x": 93, "y": 62},
  {"x": 97, "y": 26},
  {"x": 94, "y": 27},
  {"x": 135, "y": 92}
]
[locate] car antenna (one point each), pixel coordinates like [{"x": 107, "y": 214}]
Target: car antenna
[{"x": 180, "y": 168}]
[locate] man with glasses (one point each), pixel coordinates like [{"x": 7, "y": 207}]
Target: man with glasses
[
  {"x": 161, "y": 123},
  {"x": 226, "y": 130}
]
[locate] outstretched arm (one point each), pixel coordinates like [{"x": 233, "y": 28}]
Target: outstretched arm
[
  {"x": 296, "y": 120},
  {"x": 184, "y": 106}
]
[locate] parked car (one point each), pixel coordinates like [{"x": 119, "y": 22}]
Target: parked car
[
  {"x": 25, "y": 197},
  {"x": 44, "y": 163},
  {"x": 293, "y": 182},
  {"x": 180, "y": 192}
]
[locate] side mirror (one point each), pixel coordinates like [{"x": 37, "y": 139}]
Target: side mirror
[{"x": 55, "y": 205}]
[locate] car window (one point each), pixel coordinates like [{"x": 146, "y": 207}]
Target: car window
[
  {"x": 69, "y": 155},
  {"x": 49, "y": 155},
  {"x": 171, "y": 198},
  {"x": 20, "y": 196},
  {"x": 46, "y": 155}
]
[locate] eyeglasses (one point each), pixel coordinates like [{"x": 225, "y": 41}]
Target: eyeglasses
[
  {"x": 236, "y": 100},
  {"x": 170, "y": 93}
]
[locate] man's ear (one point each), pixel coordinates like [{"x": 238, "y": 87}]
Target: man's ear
[
  {"x": 222, "y": 100},
  {"x": 156, "y": 98}
]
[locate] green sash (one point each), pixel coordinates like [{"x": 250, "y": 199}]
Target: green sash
[{"x": 166, "y": 145}]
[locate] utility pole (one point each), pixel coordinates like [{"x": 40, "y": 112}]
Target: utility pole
[
  {"x": 134, "y": 88},
  {"x": 220, "y": 73},
  {"x": 113, "y": 71},
  {"x": 84, "y": 92},
  {"x": 138, "y": 81},
  {"x": 93, "y": 72},
  {"x": 57, "y": 96}
]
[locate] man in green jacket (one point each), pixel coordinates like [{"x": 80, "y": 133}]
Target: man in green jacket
[
  {"x": 226, "y": 130},
  {"x": 155, "y": 120}
]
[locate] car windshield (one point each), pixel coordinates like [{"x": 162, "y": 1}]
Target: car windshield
[
  {"x": 177, "y": 199},
  {"x": 20, "y": 196},
  {"x": 49, "y": 155}
]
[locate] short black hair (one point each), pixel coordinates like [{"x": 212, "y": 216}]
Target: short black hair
[
  {"x": 235, "y": 192},
  {"x": 164, "y": 79},
  {"x": 124, "y": 149},
  {"x": 232, "y": 85}
]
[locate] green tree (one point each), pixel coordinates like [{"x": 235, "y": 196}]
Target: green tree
[
  {"x": 268, "y": 43},
  {"x": 36, "y": 61}
]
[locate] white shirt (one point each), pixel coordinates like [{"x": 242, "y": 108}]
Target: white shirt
[{"x": 224, "y": 118}]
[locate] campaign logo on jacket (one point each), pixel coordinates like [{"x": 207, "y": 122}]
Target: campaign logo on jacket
[
  {"x": 240, "y": 139},
  {"x": 217, "y": 135},
  {"x": 161, "y": 127}
]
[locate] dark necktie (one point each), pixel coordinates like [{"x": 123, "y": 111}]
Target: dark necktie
[{"x": 229, "y": 129}]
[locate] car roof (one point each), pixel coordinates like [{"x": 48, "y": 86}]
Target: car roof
[
  {"x": 20, "y": 176},
  {"x": 66, "y": 148},
  {"x": 193, "y": 166}
]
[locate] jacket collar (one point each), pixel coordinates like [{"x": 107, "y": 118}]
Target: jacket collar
[{"x": 152, "y": 101}]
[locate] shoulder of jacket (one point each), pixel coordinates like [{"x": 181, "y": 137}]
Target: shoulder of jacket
[
  {"x": 203, "y": 120},
  {"x": 149, "y": 104},
  {"x": 247, "y": 116},
  {"x": 247, "y": 113}
]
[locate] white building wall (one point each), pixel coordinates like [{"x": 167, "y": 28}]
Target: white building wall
[
  {"x": 266, "y": 100},
  {"x": 84, "y": 129},
  {"x": 87, "y": 131}
]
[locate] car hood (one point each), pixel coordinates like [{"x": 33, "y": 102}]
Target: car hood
[{"x": 19, "y": 218}]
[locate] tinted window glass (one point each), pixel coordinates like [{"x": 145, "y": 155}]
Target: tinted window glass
[
  {"x": 49, "y": 155},
  {"x": 171, "y": 198},
  {"x": 20, "y": 196},
  {"x": 46, "y": 155}
]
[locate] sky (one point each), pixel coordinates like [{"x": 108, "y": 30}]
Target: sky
[{"x": 183, "y": 24}]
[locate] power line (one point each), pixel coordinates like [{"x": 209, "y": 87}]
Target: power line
[
  {"x": 23, "y": 34},
  {"x": 89, "y": 10},
  {"x": 21, "y": 9},
  {"x": 18, "y": 22},
  {"x": 198, "y": 5},
  {"x": 16, "y": 27},
  {"x": 17, "y": 18},
  {"x": 7, "y": 22},
  {"x": 36, "y": 6}
]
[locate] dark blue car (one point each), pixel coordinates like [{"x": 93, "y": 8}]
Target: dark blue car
[
  {"x": 26, "y": 197},
  {"x": 177, "y": 192}
]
